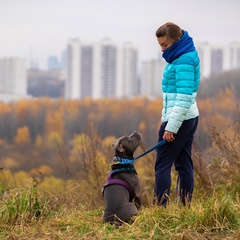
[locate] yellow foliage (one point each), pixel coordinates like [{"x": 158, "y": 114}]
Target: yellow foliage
[
  {"x": 80, "y": 143},
  {"x": 34, "y": 172},
  {"x": 46, "y": 170},
  {"x": 53, "y": 184},
  {"x": 22, "y": 136},
  {"x": 108, "y": 141},
  {"x": 53, "y": 139},
  {"x": 74, "y": 154},
  {"x": 43, "y": 169},
  {"x": 54, "y": 123},
  {"x": 142, "y": 127},
  {"x": 152, "y": 106},
  {"x": 21, "y": 109},
  {"x": 72, "y": 109},
  {"x": 101, "y": 160},
  {"x": 4, "y": 108},
  {"x": 6, "y": 179},
  {"x": 23, "y": 179},
  {"x": 10, "y": 163},
  {"x": 81, "y": 139},
  {"x": 38, "y": 141}
]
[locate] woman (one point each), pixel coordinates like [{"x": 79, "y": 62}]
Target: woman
[{"x": 180, "y": 83}]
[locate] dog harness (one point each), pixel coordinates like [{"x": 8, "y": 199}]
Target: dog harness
[{"x": 112, "y": 181}]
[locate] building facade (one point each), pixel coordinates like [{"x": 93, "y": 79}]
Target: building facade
[
  {"x": 101, "y": 70},
  {"x": 151, "y": 78},
  {"x": 128, "y": 82},
  {"x": 73, "y": 70},
  {"x": 218, "y": 58},
  {"x": 13, "y": 79}
]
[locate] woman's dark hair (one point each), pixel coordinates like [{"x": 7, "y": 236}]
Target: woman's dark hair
[{"x": 171, "y": 30}]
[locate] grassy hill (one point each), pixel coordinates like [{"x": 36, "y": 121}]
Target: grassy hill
[{"x": 25, "y": 214}]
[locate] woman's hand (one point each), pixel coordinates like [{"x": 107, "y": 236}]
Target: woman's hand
[{"x": 168, "y": 136}]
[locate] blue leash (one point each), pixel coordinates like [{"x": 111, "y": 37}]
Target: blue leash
[
  {"x": 117, "y": 160},
  {"x": 151, "y": 149}
]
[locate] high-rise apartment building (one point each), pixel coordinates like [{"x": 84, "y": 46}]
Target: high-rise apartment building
[
  {"x": 86, "y": 74},
  {"x": 107, "y": 66},
  {"x": 90, "y": 69},
  {"x": 101, "y": 70},
  {"x": 204, "y": 52},
  {"x": 231, "y": 56},
  {"x": 13, "y": 79},
  {"x": 127, "y": 78},
  {"x": 216, "y": 62},
  {"x": 73, "y": 70},
  {"x": 151, "y": 78},
  {"x": 215, "y": 59}
]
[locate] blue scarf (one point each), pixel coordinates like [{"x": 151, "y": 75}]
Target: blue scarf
[{"x": 184, "y": 45}]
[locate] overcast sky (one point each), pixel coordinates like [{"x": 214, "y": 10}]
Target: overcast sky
[{"x": 39, "y": 28}]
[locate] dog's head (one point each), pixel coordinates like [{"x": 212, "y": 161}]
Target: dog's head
[{"x": 125, "y": 146}]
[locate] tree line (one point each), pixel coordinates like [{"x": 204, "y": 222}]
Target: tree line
[{"x": 33, "y": 131}]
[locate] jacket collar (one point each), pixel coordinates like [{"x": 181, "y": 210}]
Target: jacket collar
[{"x": 184, "y": 45}]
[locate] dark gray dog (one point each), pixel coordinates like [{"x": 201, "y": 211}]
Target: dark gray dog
[{"x": 121, "y": 192}]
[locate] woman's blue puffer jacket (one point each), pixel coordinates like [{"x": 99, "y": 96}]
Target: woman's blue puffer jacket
[{"x": 180, "y": 83}]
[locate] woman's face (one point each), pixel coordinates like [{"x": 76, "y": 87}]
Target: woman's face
[{"x": 164, "y": 42}]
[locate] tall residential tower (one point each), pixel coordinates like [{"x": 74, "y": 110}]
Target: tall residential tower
[
  {"x": 13, "y": 79},
  {"x": 101, "y": 70}
]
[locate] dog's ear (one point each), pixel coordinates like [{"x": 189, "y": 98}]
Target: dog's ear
[{"x": 118, "y": 145}]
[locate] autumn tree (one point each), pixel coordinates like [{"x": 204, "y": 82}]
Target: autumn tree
[{"x": 22, "y": 136}]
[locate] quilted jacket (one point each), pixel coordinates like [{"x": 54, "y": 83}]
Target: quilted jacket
[{"x": 180, "y": 83}]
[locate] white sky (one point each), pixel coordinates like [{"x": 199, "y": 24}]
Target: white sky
[{"x": 39, "y": 28}]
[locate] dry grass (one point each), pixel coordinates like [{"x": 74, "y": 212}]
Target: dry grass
[
  {"x": 74, "y": 211},
  {"x": 215, "y": 218}
]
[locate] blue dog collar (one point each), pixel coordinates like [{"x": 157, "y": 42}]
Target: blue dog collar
[{"x": 118, "y": 160}]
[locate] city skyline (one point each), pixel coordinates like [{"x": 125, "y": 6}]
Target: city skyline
[
  {"x": 105, "y": 70},
  {"x": 37, "y": 30},
  {"x": 109, "y": 71}
]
